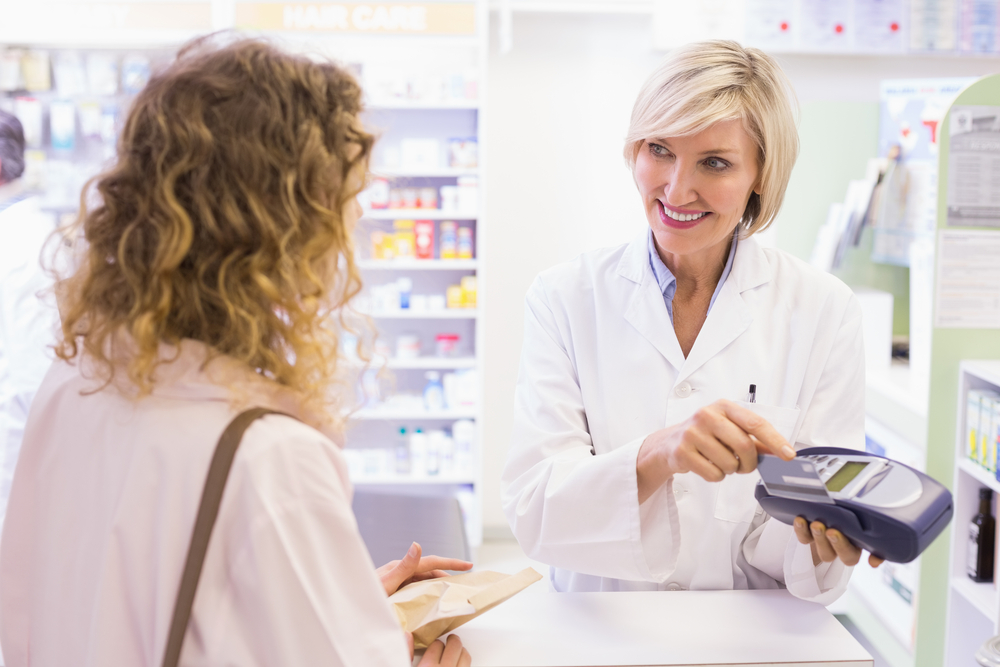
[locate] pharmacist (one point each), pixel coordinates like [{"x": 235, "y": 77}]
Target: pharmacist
[{"x": 632, "y": 463}]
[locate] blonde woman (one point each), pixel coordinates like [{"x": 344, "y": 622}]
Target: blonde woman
[
  {"x": 216, "y": 262},
  {"x": 634, "y": 426}
]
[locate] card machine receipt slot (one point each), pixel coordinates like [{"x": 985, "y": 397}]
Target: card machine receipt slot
[{"x": 881, "y": 505}]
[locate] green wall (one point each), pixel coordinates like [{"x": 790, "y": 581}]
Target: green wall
[
  {"x": 948, "y": 347},
  {"x": 826, "y": 163}
]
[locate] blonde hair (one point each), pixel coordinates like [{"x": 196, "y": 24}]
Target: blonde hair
[
  {"x": 222, "y": 220},
  {"x": 705, "y": 83}
]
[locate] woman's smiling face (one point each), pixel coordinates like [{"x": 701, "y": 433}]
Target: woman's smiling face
[{"x": 695, "y": 188}]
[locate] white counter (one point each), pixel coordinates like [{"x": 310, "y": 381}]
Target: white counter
[{"x": 721, "y": 628}]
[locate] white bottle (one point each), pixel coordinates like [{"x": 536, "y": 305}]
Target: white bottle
[
  {"x": 433, "y": 392},
  {"x": 418, "y": 453},
  {"x": 464, "y": 433},
  {"x": 433, "y": 460},
  {"x": 402, "y": 463},
  {"x": 447, "y": 455}
]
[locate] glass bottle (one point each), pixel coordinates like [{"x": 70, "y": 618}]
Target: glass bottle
[{"x": 982, "y": 532}]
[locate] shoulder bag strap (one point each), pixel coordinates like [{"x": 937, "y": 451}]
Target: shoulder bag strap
[{"x": 211, "y": 497}]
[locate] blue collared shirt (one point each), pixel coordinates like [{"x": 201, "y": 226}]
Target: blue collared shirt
[{"x": 668, "y": 284}]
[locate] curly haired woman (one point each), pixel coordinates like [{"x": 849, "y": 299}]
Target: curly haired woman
[{"x": 217, "y": 265}]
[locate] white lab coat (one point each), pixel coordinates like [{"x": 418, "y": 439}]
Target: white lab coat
[
  {"x": 28, "y": 319},
  {"x": 601, "y": 369},
  {"x": 100, "y": 519}
]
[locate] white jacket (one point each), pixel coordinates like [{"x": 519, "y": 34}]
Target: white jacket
[
  {"x": 100, "y": 519},
  {"x": 601, "y": 369}
]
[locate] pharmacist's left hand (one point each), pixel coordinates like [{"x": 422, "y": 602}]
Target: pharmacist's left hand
[
  {"x": 829, "y": 544},
  {"x": 412, "y": 567}
]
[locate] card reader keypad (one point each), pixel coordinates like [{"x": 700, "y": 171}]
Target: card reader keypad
[{"x": 826, "y": 466}]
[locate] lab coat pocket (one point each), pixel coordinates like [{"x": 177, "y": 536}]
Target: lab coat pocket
[
  {"x": 736, "y": 500},
  {"x": 782, "y": 419}
]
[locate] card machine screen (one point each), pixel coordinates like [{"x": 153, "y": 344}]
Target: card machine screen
[{"x": 845, "y": 475}]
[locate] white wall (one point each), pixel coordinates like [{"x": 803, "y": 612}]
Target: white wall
[{"x": 557, "y": 109}]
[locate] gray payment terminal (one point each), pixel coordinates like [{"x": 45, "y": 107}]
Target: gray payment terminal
[{"x": 881, "y": 505}]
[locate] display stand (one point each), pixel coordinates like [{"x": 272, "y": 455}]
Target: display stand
[
  {"x": 949, "y": 346},
  {"x": 921, "y": 423}
]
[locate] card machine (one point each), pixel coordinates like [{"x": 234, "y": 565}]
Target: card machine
[{"x": 881, "y": 505}]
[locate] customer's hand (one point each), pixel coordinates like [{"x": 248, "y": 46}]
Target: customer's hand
[
  {"x": 828, "y": 544},
  {"x": 718, "y": 440},
  {"x": 412, "y": 567},
  {"x": 452, "y": 655}
]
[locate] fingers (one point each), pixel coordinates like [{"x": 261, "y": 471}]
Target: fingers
[
  {"x": 769, "y": 441},
  {"x": 451, "y": 655},
  {"x": 409, "y": 642},
  {"x": 802, "y": 530},
  {"x": 829, "y": 544},
  {"x": 432, "y": 656},
  {"x": 428, "y": 563},
  {"x": 843, "y": 547},
  {"x": 874, "y": 560},
  {"x": 395, "y": 573},
  {"x": 452, "y": 651}
]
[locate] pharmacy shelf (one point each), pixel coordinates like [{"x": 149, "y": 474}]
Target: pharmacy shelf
[
  {"x": 983, "y": 596},
  {"x": 417, "y": 214},
  {"x": 419, "y": 264},
  {"x": 404, "y": 480},
  {"x": 431, "y": 363},
  {"x": 419, "y": 363},
  {"x": 971, "y": 622},
  {"x": 442, "y": 172},
  {"x": 417, "y": 414},
  {"x": 453, "y": 314},
  {"x": 979, "y": 473},
  {"x": 407, "y": 104}
]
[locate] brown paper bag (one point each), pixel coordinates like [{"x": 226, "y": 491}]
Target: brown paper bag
[{"x": 435, "y": 607}]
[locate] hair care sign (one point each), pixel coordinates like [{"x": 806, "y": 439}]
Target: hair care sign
[
  {"x": 440, "y": 18},
  {"x": 102, "y": 22}
]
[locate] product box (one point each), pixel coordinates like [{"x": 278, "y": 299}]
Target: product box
[
  {"x": 989, "y": 403},
  {"x": 973, "y": 399}
]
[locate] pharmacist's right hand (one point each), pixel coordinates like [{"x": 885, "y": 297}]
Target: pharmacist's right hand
[
  {"x": 718, "y": 440},
  {"x": 452, "y": 655}
]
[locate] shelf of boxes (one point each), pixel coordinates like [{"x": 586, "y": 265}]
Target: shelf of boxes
[
  {"x": 438, "y": 172},
  {"x": 417, "y": 214},
  {"x": 419, "y": 264},
  {"x": 453, "y": 314},
  {"x": 427, "y": 166},
  {"x": 431, "y": 363},
  {"x": 421, "y": 105},
  {"x": 973, "y": 607}
]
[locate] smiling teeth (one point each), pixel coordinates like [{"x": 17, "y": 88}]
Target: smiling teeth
[{"x": 683, "y": 218}]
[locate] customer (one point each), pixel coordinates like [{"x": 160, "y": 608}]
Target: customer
[
  {"x": 28, "y": 321},
  {"x": 631, "y": 422},
  {"x": 219, "y": 261}
]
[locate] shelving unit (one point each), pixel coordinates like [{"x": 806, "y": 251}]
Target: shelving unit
[
  {"x": 419, "y": 214},
  {"x": 973, "y": 608},
  {"x": 419, "y": 264},
  {"x": 396, "y": 121}
]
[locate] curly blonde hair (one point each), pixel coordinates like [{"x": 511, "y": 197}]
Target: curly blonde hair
[{"x": 222, "y": 219}]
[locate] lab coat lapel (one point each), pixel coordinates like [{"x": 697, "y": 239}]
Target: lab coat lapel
[
  {"x": 645, "y": 310},
  {"x": 730, "y": 316}
]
